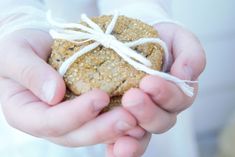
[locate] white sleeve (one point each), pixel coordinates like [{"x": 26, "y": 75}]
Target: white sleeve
[
  {"x": 24, "y": 14},
  {"x": 6, "y": 5},
  {"x": 148, "y": 11},
  {"x": 16, "y": 15},
  {"x": 71, "y": 10}
]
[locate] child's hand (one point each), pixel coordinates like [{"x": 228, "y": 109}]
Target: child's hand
[
  {"x": 157, "y": 102},
  {"x": 26, "y": 79}
]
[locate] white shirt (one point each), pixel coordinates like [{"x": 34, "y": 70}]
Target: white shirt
[
  {"x": 146, "y": 10},
  {"x": 149, "y": 11}
]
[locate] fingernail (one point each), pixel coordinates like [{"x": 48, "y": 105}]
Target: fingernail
[
  {"x": 123, "y": 126},
  {"x": 99, "y": 105},
  {"x": 188, "y": 73},
  {"x": 49, "y": 90}
]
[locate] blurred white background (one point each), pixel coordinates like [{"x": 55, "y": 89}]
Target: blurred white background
[{"x": 214, "y": 23}]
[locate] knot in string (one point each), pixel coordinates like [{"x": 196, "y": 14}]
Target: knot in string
[{"x": 106, "y": 40}]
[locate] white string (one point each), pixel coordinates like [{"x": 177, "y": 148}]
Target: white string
[
  {"x": 151, "y": 40},
  {"x": 168, "y": 61},
  {"x": 112, "y": 23},
  {"x": 106, "y": 39},
  {"x": 90, "y": 23},
  {"x": 64, "y": 67}
]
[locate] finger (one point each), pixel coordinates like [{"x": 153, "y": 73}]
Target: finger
[
  {"x": 70, "y": 115},
  {"x": 149, "y": 116},
  {"x": 189, "y": 56},
  {"x": 166, "y": 33},
  {"x": 107, "y": 126},
  {"x": 26, "y": 112},
  {"x": 23, "y": 65},
  {"x": 130, "y": 147},
  {"x": 137, "y": 133},
  {"x": 109, "y": 151},
  {"x": 188, "y": 66},
  {"x": 40, "y": 43},
  {"x": 165, "y": 94}
]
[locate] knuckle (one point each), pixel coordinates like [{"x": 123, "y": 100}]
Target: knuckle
[
  {"x": 185, "y": 103},
  {"x": 203, "y": 61},
  {"x": 145, "y": 118},
  {"x": 16, "y": 122},
  {"x": 123, "y": 114},
  {"x": 69, "y": 142},
  {"x": 11, "y": 97},
  {"x": 144, "y": 114},
  {"x": 27, "y": 75},
  {"x": 99, "y": 136},
  {"x": 64, "y": 141},
  {"x": 163, "y": 93},
  {"x": 49, "y": 128},
  {"x": 8, "y": 100},
  {"x": 161, "y": 127},
  {"x": 51, "y": 132},
  {"x": 9, "y": 117},
  {"x": 15, "y": 48}
]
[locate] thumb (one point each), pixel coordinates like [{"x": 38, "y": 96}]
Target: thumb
[
  {"x": 23, "y": 65},
  {"x": 189, "y": 56}
]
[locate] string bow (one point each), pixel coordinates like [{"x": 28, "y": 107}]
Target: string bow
[{"x": 106, "y": 39}]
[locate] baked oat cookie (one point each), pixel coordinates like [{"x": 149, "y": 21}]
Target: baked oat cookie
[{"x": 103, "y": 68}]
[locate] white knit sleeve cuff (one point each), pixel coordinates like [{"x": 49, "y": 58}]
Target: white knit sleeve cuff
[
  {"x": 149, "y": 12},
  {"x": 22, "y": 17}
]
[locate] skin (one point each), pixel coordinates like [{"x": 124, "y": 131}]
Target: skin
[{"x": 31, "y": 94}]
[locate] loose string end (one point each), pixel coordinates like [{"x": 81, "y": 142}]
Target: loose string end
[
  {"x": 112, "y": 23},
  {"x": 187, "y": 89}
]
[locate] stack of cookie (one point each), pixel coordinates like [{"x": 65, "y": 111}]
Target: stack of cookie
[{"x": 103, "y": 68}]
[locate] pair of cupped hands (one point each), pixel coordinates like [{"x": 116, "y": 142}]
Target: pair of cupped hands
[{"x": 31, "y": 94}]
